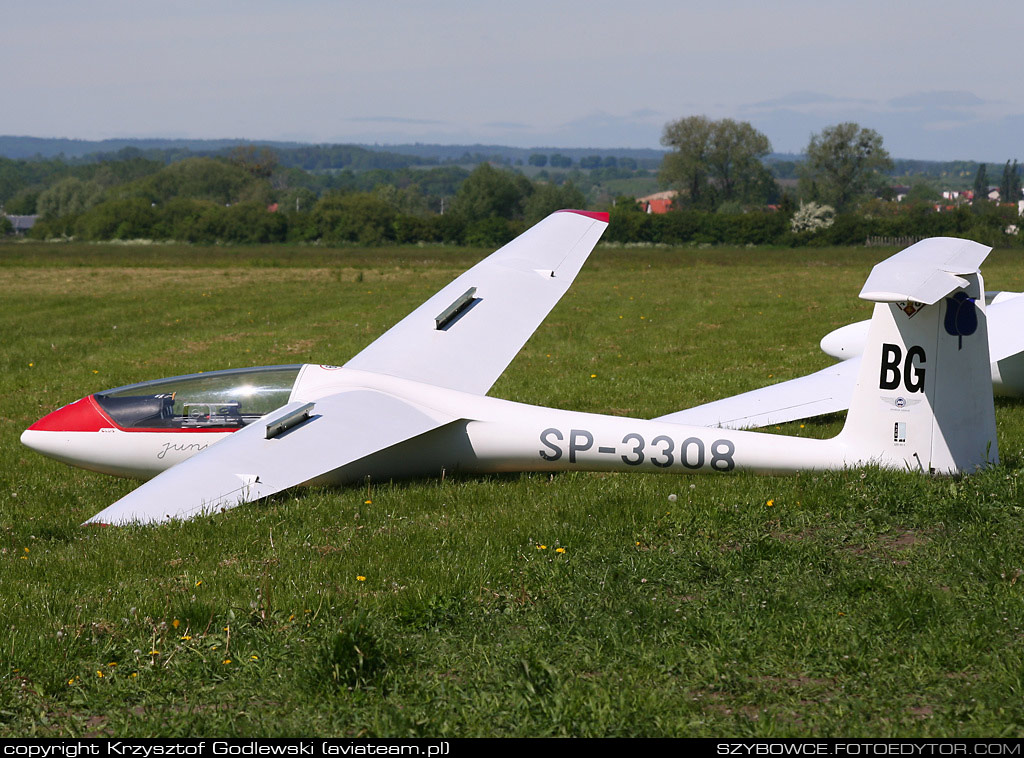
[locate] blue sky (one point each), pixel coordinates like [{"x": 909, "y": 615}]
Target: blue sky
[{"x": 938, "y": 80}]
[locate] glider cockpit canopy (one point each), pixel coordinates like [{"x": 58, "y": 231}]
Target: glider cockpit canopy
[{"x": 227, "y": 399}]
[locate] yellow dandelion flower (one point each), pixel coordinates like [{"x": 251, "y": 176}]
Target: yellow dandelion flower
[
  {"x": 154, "y": 652},
  {"x": 367, "y": 502},
  {"x": 95, "y": 371},
  {"x": 186, "y": 637},
  {"x": 112, "y": 663},
  {"x": 31, "y": 365},
  {"x": 198, "y": 582},
  {"x": 226, "y": 661},
  {"x": 175, "y": 623},
  {"x": 560, "y": 550},
  {"x": 26, "y": 550},
  {"x": 24, "y": 557},
  {"x": 593, "y": 376},
  {"x": 135, "y": 674},
  {"x": 72, "y": 679},
  {"x": 99, "y": 674},
  {"x": 360, "y": 578},
  {"x": 254, "y": 657},
  {"x": 770, "y": 503}
]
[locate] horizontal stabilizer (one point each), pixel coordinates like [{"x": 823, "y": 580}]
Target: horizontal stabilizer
[
  {"x": 925, "y": 272},
  {"x": 1005, "y": 321}
]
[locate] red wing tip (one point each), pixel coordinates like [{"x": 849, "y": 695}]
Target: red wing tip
[{"x": 596, "y": 215}]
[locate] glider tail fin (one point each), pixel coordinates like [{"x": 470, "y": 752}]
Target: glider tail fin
[{"x": 923, "y": 397}]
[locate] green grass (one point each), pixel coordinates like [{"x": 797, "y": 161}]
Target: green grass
[{"x": 862, "y": 603}]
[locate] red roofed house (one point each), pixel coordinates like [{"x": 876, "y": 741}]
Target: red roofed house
[{"x": 659, "y": 202}]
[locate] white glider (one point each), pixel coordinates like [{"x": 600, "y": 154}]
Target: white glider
[{"x": 413, "y": 403}]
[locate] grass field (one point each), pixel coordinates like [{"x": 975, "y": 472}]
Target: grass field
[{"x": 859, "y": 603}]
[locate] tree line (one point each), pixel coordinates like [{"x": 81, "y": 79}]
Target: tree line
[
  {"x": 209, "y": 200},
  {"x": 725, "y": 193}
]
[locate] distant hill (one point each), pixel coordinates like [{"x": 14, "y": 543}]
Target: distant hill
[
  {"x": 332, "y": 157},
  {"x": 51, "y": 147},
  {"x": 644, "y": 157},
  {"x": 302, "y": 154}
]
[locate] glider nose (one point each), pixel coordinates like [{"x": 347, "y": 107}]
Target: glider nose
[
  {"x": 50, "y": 434},
  {"x": 80, "y": 416}
]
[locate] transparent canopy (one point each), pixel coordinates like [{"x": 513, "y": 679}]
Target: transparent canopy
[{"x": 213, "y": 400}]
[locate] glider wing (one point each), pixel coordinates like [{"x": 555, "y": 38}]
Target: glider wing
[
  {"x": 825, "y": 391},
  {"x": 1005, "y": 335},
  {"x": 292, "y": 445},
  {"x": 465, "y": 336}
]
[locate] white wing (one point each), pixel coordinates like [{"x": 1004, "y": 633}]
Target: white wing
[
  {"x": 466, "y": 335},
  {"x": 248, "y": 465},
  {"x": 825, "y": 391},
  {"x": 1006, "y": 328}
]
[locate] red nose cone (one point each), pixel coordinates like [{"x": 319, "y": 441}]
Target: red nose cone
[{"x": 83, "y": 415}]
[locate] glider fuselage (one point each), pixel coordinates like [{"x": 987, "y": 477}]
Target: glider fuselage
[{"x": 490, "y": 435}]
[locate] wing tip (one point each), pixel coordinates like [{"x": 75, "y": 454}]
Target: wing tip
[{"x": 596, "y": 215}]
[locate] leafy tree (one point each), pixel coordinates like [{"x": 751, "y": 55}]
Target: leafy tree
[
  {"x": 923, "y": 193},
  {"x": 406, "y": 200},
  {"x": 558, "y": 160},
  {"x": 1009, "y": 187},
  {"x": 492, "y": 193},
  {"x": 981, "y": 183},
  {"x": 843, "y": 162},
  {"x": 735, "y": 157},
  {"x": 297, "y": 200},
  {"x": 6, "y": 227},
  {"x": 354, "y": 217},
  {"x": 548, "y": 198},
  {"x": 202, "y": 179},
  {"x": 258, "y": 162},
  {"x": 687, "y": 166},
  {"x": 812, "y": 217},
  {"x": 131, "y": 218},
  {"x": 590, "y": 161},
  {"x": 67, "y": 197},
  {"x": 539, "y": 160},
  {"x": 23, "y": 203},
  {"x": 716, "y": 161}
]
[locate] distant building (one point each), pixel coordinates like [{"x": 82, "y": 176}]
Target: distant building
[
  {"x": 22, "y": 224},
  {"x": 659, "y": 202}
]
